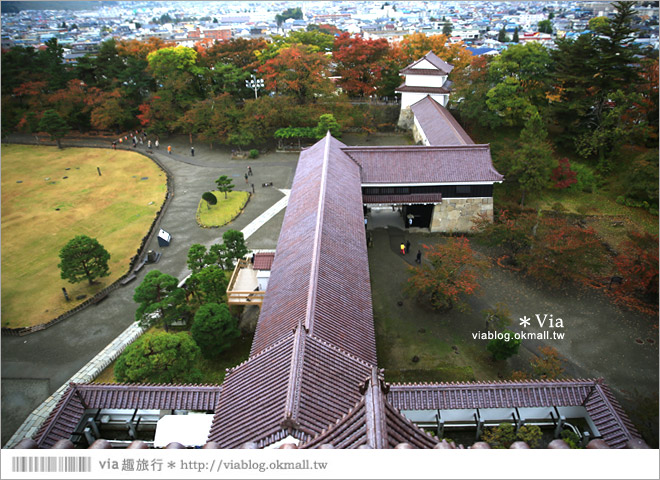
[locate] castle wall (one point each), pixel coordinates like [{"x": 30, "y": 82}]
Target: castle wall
[{"x": 457, "y": 214}]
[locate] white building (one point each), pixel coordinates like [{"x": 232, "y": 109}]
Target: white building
[{"x": 426, "y": 76}]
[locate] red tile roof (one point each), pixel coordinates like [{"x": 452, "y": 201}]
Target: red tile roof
[
  {"x": 434, "y": 60},
  {"x": 321, "y": 245},
  {"x": 263, "y": 260},
  {"x": 373, "y": 422},
  {"x": 291, "y": 388},
  {"x": 425, "y": 164},
  {"x": 414, "y": 88},
  {"x": 606, "y": 413},
  {"x": 439, "y": 126},
  {"x": 403, "y": 199},
  {"x": 68, "y": 412}
]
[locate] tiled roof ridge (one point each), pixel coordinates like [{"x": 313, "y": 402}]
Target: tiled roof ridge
[
  {"x": 395, "y": 148},
  {"x": 616, "y": 410},
  {"x": 341, "y": 419},
  {"x": 410, "y": 423},
  {"x": 316, "y": 248},
  {"x": 49, "y": 423},
  {"x": 443, "y": 111},
  {"x": 295, "y": 377},
  {"x": 261, "y": 352},
  {"x": 375, "y": 408},
  {"x": 148, "y": 386},
  {"x": 432, "y": 58},
  {"x": 503, "y": 383},
  {"x": 342, "y": 351}
]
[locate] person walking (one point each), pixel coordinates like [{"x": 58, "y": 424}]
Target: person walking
[
  {"x": 169, "y": 149},
  {"x": 407, "y": 246},
  {"x": 114, "y": 145},
  {"x": 192, "y": 151},
  {"x": 246, "y": 178},
  {"x": 403, "y": 248},
  {"x": 419, "y": 257},
  {"x": 141, "y": 141},
  {"x": 149, "y": 144},
  {"x": 156, "y": 143},
  {"x": 249, "y": 170}
]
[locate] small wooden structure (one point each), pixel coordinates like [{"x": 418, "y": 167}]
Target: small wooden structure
[{"x": 243, "y": 288}]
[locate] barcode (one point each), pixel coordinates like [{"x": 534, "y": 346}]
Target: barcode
[{"x": 51, "y": 464}]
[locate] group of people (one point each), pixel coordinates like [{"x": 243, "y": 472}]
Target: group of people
[
  {"x": 138, "y": 137},
  {"x": 405, "y": 248}
]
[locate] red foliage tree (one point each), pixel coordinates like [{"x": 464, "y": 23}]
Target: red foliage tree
[
  {"x": 637, "y": 263},
  {"x": 299, "y": 72},
  {"x": 451, "y": 270},
  {"x": 562, "y": 175},
  {"x": 359, "y": 63}
]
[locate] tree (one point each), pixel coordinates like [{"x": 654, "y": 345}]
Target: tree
[
  {"x": 447, "y": 29},
  {"x": 533, "y": 161},
  {"x": 545, "y": 26},
  {"x": 548, "y": 364},
  {"x": 159, "y": 357},
  {"x": 359, "y": 63},
  {"x": 327, "y": 123},
  {"x": 196, "y": 257},
  {"x": 161, "y": 300},
  {"x": 515, "y": 39},
  {"x": 298, "y": 72},
  {"x": 53, "y": 125},
  {"x": 209, "y": 285},
  {"x": 637, "y": 263},
  {"x": 83, "y": 258},
  {"x": 209, "y": 198},
  {"x": 562, "y": 175},
  {"x": 501, "y": 36},
  {"x": 501, "y": 436},
  {"x": 234, "y": 247},
  {"x": 224, "y": 184},
  {"x": 599, "y": 24},
  {"x": 214, "y": 329},
  {"x": 504, "y": 347},
  {"x": 452, "y": 270}
]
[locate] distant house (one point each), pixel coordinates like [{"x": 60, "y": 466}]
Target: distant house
[{"x": 477, "y": 51}]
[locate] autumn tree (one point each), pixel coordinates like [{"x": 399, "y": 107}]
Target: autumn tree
[
  {"x": 451, "y": 271},
  {"x": 547, "y": 365},
  {"x": 359, "y": 63},
  {"x": 416, "y": 45},
  {"x": 83, "y": 258},
  {"x": 637, "y": 263},
  {"x": 214, "y": 329},
  {"x": 562, "y": 175},
  {"x": 159, "y": 357},
  {"x": 298, "y": 72}
]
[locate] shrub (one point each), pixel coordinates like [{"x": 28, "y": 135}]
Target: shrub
[
  {"x": 571, "y": 438},
  {"x": 254, "y": 153},
  {"x": 214, "y": 329},
  {"x": 209, "y": 198},
  {"x": 501, "y": 436},
  {"x": 503, "y": 348},
  {"x": 531, "y": 435},
  {"x": 587, "y": 179}
]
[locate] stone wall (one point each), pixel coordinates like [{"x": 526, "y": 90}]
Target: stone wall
[
  {"x": 456, "y": 214},
  {"x": 406, "y": 119}
]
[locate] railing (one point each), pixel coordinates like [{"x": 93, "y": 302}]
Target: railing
[{"x": 241, "y": 297}]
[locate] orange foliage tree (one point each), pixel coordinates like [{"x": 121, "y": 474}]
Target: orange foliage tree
[
  {"x": 451, "y": 271},
  {"x": 416, "y": 45},
  {"x": 637, "y": 263},
  {"x": 359, "y": 63}
]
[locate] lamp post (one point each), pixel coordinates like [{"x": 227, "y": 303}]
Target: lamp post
[{"x": 255, "y": 84}]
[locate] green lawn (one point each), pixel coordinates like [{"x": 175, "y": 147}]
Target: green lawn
[
  {"x": 222, "y": 212},
  {"x": 51, "y": 195}
]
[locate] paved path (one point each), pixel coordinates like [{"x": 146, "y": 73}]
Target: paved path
[{"x": 36, "y": 365}]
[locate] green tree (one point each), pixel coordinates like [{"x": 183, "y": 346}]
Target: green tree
[
  {"x": 327, "y": 122},
  {"x": 209, "y": 285},
  {"x": 533, "y": 161},
  {"x": 196, "y": 257},
  {"x": 224, "y": 184},
  {"x": 531, "y": 435},
  {"x": 502, "y": 36},
  {"x": 505, "y": 347},
  {"x": 159, "y": 357},
  {"x": 54, "y": 126},
  {"x": 516, "y": 38},
  {"x": 234, "y": 247},
  {"x": 161, "y": 301},
  {"x": 210, "y": 199},
  {"x": 599, "y": 24},
  {"x": 447, "y": 29},
  {"x": 545, "y": 26},
  {"x": 214, "y": 329},
  {"x": 83, "y": 258},
  {"x": 501, "y": 436}
]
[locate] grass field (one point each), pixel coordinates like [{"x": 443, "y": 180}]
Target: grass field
[
  {"x": 222, "y": 212},
  {"x": 51, "y": 195}
]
